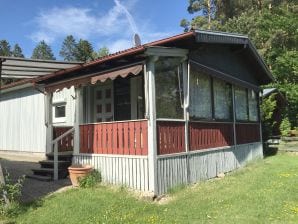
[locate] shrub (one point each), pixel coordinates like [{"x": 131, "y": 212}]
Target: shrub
[
  {"x": 91, "y": 180},
  {"x": 10, "y": 193},
  {"x": 285, "y": 127}
]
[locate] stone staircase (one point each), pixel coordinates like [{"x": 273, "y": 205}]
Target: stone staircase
[{"x": 46, "y": 170}]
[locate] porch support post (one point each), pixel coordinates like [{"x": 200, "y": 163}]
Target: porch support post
[
  {"x": 234, "y": 116},
  {"x": 152, "y": 143},
  {"x": 49, "y": 121},
  {"x": 78, "y": 119}
]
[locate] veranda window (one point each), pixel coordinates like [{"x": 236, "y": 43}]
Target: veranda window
[
  {"x": 241, "y": 104},
  {"x": 169, "y": 88},
  {"x": 200, "y": 96},
  {"x": 253, "y": 105},
  {"x": 222, "y": 93}
]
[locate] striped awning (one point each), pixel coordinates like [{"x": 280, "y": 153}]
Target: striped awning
[{"x": 94, "y": 78}]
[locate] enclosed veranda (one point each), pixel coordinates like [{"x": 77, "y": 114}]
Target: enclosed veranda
[{"x": 164, "y": 121}]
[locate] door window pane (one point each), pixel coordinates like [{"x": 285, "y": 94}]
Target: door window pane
[
  {"x": 169, "y": 88},
  {"x": 222, "y": 92},
  {"x": 241, "y": 104},
  {"x": 200, "y": 96}
]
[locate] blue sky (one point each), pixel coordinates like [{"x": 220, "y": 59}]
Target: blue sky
[{"x": 102, "y": 22}]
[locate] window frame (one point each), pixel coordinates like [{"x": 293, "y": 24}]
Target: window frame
[{"x": 54, "y": 106}]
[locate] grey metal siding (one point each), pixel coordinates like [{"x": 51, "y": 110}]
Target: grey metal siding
[
  {"x": 130, "y": 171},
  {"x": 198, "y": 166},
  {"x": 22, "y": 121}
]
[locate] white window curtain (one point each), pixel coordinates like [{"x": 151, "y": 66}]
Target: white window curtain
[
  {"x": 241, "y": 104},
  {"x": 200, "y": 96},
  {"x": 222, "y": 92},
  {"x": 253, "y": 105}
]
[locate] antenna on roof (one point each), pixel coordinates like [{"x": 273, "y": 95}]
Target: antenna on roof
[{"x": 136, "y": 40}]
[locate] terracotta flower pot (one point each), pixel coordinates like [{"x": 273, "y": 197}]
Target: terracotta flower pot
[{"x": 76, "y": 171}]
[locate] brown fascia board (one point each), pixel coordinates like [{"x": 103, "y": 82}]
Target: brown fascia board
[{"x": 117, "y": 55}]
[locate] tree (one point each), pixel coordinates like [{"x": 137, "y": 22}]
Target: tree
[
  {"x": 104, "y": 51},
  {"x": 43, "y": 51},
  {"x": 17, "y": 51},
  {"x": 84, "y": 51},
  {"x": 69, "y": 49},
  {"x": 5, "y": 48}
]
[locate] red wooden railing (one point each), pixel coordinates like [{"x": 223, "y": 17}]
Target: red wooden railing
[
  {"x": 66, "y": 143},
  {"x": 247, "y": 133},
  {"x": 210, "y": 135},
  {"x": 124, "y": 138},
  {"x": 170, "y": 137}
]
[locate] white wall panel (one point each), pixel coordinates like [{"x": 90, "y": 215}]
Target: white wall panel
[{"x": 22, "y": 121}]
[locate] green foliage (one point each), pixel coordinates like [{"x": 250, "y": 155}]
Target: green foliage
[
  {"x": 69, "y": 49},
  {"x": 285, "y": 127},
  {"x": 10, "y": 194},
  {"x": 84, "y": 51},
  {"x": 17, "y": 51},
  {"x": 91, "y": 180},
  {"x": 267, "y": 106},
  {"x": 5, "y": 48},
  {"x": 104, "y": 51},
  {"x": 43, "y": 51}
]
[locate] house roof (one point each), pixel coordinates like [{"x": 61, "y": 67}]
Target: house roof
[
  {"x": 22, "y": 68},
  {"x": 184, "y": 40},
  {"x": 268, "y": 91}
]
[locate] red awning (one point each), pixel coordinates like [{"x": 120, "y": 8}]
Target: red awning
[{"x": 93, "y": 79}]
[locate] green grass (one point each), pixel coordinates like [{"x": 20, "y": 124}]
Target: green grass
[{"x": 263, "y": 192}]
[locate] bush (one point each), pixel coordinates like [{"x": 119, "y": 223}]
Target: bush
[
  {"x": 91, "y": 180},
  {"x": 10, "y": 193},
  {"x": 285, "y": 127}
]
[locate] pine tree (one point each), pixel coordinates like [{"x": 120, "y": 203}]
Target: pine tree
[
  {"x": 17, "y": 51},
  {"x": 5, "y": 48},
  {"x": 43, "y": 51},
  {"x": 69, "y": 49},
  {"x": 84, "y": 51}
]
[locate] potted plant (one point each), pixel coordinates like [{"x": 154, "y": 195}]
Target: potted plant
[{"x": 77, "y": 171}]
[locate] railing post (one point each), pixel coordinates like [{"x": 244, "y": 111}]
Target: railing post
[
  {"x": 49, "y": 122},
  {"x": 78, "y": 120},
  {"x": 56, "y": 160}
]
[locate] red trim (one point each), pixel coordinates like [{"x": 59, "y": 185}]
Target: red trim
[{"x": 247, "y": 133}]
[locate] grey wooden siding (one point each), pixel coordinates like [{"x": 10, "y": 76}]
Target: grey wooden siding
[
  {"x": 22, "y": 121},
  {"x": 66, "y": 95},
  {"x": 198, "y": 166},
  {"x": 130, "y": 171}
]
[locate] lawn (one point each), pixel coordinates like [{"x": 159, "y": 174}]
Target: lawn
[{"x": 265, "y": 191}]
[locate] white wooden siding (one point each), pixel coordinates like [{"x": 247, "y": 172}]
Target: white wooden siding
[
  {"x": 66, "y": 95},
  {"x": 130, "y": 171},
  {"x": 22, "y": 121},
  {"x": 194, "y": 167}
]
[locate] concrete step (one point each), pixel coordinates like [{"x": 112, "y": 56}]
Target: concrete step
[
  {"x": 62, "y": 173},
  {"x": 39, "y": 177},
  {"x": 50, "y": 164}
]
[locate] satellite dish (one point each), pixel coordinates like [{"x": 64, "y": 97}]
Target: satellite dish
[{"x": 136, "y": 40}]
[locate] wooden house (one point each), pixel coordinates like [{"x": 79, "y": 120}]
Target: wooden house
[{"x": 171, "y": 112}]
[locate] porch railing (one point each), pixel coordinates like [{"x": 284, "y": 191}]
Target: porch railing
[
  {"x": 247, "y": 133},
  {"x": 55, "y": 142},
  {"x": 120, "y": 137},
  {"x": 66, "y": 143}
]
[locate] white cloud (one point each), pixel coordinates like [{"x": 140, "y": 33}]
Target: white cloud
[{"x": 117, "y": 26}]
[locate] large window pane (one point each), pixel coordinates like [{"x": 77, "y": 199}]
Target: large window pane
[
  {"x": 241, "y": 103},
  {"x": 200, "y": 96},
  {"x": 168, "y": 88},
  {"x": 222, "y": 92},
  {"x": 253, "y": 105}
]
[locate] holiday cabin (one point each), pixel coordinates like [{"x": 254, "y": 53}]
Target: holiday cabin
[{"x": 171, "y": 112}]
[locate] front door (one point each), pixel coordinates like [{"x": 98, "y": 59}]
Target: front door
[{"x": 104, "y": 109}]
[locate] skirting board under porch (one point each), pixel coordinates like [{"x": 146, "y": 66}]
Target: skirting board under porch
[{"x": 172, "y": 170}]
